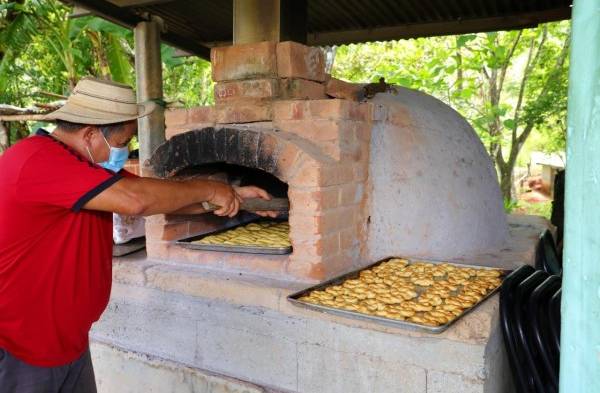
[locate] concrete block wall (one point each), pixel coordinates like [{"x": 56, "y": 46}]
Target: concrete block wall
[
  {"x": 123, "y": 371},
  {"x": 269, "y": 343}
]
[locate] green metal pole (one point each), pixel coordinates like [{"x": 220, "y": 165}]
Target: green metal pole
[{"x": 580, "y": 334}]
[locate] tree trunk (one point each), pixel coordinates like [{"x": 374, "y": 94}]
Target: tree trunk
[
  {"x": 3, "y": 137},
  {"x": 506, "y": 181},
  {"x": 459, "y": 68}
]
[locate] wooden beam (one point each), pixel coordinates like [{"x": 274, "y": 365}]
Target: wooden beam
[
  {"x": 439, "y": 28},
  {"x": 22, "y": 117}
]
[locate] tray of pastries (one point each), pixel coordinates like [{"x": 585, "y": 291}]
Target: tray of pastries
[
  {"x": 419, "y": 295},
  {"x": 258, "y": 237}
]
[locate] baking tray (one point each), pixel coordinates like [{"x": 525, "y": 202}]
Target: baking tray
[
  {"x": 293, "y": 298},
  {"x": 187, "y": 243}
]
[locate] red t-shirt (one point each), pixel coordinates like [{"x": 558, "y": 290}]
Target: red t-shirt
[{"x": 55, "y": 258}]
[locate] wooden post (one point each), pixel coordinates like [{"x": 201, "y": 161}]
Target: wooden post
[
  {"x": 148, "y": 68},
  {"x": 580, "y": 330}
]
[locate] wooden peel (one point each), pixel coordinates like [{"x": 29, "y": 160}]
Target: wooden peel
[
  {"x": 257, "y": 205},
  {"x": 251, "y": 204}
]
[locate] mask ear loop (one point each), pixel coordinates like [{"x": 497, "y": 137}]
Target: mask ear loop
[{"x": 90, "y": 154}]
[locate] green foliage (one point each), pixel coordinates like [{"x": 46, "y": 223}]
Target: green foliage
[
  {"x": 506, "y": 84},
  {"x": 187, "y": 82},
  {"x": 543, "y": 209},
  {"x": 43, "y": 50},
  {"x": 510, "y": 205}
]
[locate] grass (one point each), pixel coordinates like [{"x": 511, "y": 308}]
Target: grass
[{"x": 543, "y": 209}]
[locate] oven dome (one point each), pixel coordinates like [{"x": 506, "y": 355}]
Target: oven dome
[{"x": 433, "y": 188}]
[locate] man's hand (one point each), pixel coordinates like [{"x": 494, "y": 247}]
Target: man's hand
[
  {"x": 225, "y": 196},
  {"x": 255, "y": 192}
]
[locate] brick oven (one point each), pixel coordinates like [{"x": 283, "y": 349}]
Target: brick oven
[{"x": 399, "y": 174}]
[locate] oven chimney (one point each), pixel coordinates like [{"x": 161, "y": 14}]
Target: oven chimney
[{"x": 269, "y": 20}]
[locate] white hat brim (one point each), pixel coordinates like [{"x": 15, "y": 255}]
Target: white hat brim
[{"x": 85, "y": 115}]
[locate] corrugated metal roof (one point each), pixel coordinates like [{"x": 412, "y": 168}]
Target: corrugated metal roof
[{"x": 197, "y": 25}]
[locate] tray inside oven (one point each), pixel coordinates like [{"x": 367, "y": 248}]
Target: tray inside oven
[
  {"x": 300, "y": 298},
  {"x": 191, "y": 242}
]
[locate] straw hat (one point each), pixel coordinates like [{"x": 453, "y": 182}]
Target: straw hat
[{"x": 97, "y": 101}]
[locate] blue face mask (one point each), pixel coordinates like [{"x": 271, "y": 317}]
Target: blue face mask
[{"x": 116, "y": 158}]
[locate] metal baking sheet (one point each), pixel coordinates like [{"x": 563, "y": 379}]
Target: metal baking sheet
[
  {"x": 187, "y": 243},
  {"x": 293, "y": 298}
]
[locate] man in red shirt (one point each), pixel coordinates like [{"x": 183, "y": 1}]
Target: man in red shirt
[{"x": 57, "y": 195}]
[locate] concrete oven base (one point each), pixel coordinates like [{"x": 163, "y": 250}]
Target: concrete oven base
[
  {"x": 184, "y": 328},
  {"x": 123, "y": 371}
]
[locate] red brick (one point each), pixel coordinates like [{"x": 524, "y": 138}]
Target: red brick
[
  {"x": 289, "y": 109},
  {"x": 244, "y": 61},
  {"x": 340, "y": 174},
  {"x": 321, "y": 246},
  {"x": 301, "y": 89},
  {"x": 172, "y": 131},
  {"x": 271, "y": 146},
  {"x": 339, "y": 109},
  {"x": 361, "y": 171},
  {"x": 340, "y": 89},
  {"x": 264, "y": 265},
  {"x": 364, "y": 151},
  {"x": 310, "y": 175},
  {"x": 332, "y": 149},
  {"x": 305, "y": 225},
  {"x": 348, "y": 239},
  {"x": 295, "y": 60},
  {"x": 307, "y": 176},
  {"x": 175, "y": 231},
  {"x": 326, "y": 222},
  {"x": 363, "y": 130},
  {"x": 236, "y": 112},
  {"x": 361, "y": 112},
  {"x": 321, "y": 130},
  {"x": 175, "y": 117},
  {"x": 252, "y": 88},
  {"x": 333, "y": 109},
  {"x": 201, "y": 114},
  {"x": 306, "y": 269},
  {"x": 399, "y": 116},
  {"x": 287, "y": 159},
  {"x": 311, "y": 200},
  {"x": 350, "y": 194},
  {"x": 349, "y": 146},
  {"x": 334, "y": 265}
]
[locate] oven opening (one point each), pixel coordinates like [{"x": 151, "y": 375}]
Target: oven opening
[{"x": 247, "y": 232}]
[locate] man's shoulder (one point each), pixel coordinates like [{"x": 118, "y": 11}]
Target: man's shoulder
[{"x": 26, "y": 150}]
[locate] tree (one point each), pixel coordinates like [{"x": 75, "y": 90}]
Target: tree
[
  {"x": 507, "y": 84},
  {"x": 44, "y": 52}
]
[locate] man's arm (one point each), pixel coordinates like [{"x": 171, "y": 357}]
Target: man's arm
[
  {"x": 244, "y": 192},
  {"x": 147, "y": 196}
]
